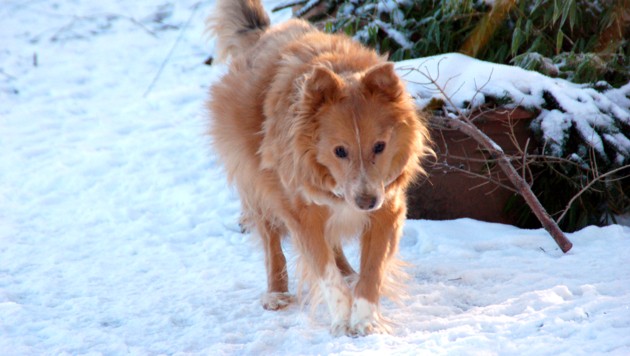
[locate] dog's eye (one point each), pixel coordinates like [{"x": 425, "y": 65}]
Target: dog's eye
[
  {"x": 379, "y": 147},
  {"x": 341, "y": 152}
]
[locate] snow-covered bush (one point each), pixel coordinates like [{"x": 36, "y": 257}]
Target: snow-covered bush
[
  {"x": 582, "y": 132},
  {"x": 583, "y": 41}
]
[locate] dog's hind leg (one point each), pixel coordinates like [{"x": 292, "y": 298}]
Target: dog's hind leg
[
  {"x": 342, "y": 263},
  {"x": 277, "y": 295}
]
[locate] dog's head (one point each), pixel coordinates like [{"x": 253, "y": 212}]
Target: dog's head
[{"x": 366, "y": 136}]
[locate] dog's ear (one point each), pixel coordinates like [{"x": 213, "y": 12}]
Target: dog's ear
[
  {"x": 321, "y": 86},
  {"x": 382, "y": 79}
]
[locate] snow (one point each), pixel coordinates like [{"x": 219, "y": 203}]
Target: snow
[
  {"x": 465, "y": 83},
  {"x": 555, "y": 127},
  {"x": 394, "y": 34},
  {"x": 390, "y": 7},
  {"x": 119, "y": 235}
]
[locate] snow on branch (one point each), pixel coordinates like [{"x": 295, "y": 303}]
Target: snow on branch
[
  {"x": 463, "y": 122},
  {"x": 601, "y": 119}
]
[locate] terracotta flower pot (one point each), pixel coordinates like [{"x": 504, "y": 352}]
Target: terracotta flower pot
[{"x": 449, "y": 192}]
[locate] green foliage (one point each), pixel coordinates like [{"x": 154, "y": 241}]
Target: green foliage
[
  {"x": 558, "y": 182},
  {"x": 579, "y": 40},
  {"x": 431, "y": 27}
]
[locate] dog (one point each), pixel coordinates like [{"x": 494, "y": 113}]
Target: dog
[{"x": 321, "y": 139}]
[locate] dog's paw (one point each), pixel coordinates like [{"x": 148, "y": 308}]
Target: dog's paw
[
  {"x": 368, "y": 327},
  {"x": 276, "y": 300},
  {"x": 340, "y": 328},
  {"x": 366, "y": 319}
]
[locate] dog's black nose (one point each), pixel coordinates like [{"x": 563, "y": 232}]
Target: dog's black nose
[{"x": 365, "y": 201}]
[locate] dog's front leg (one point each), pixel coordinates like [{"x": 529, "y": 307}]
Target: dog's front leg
[
  {"x": 338, "y": 298},
  {"x": 379, "y": 244},
  {"x": 320, "y": 260}
]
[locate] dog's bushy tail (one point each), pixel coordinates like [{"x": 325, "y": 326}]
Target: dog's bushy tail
[{"x": 237, "y": 24}]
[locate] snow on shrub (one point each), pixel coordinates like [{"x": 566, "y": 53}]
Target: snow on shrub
[{"x": 602, "y": 119}]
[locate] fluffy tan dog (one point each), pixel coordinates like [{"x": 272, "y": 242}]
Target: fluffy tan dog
[{"x": 321, "y": 140}]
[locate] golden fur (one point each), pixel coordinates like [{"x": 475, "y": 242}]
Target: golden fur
[{"x": 321, "y": 139}]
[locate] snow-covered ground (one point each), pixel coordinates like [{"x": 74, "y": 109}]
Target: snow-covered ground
[{"x": 118, "y": 233}]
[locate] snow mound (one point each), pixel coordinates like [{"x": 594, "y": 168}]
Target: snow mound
[{"x": 602, "y": 119}]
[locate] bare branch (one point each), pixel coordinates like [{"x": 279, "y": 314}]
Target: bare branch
[
  {"x": 586, "y": 187},
  {"x": 478, "y": 90},
  {"x": 288, "y": 4},
  {"x": 519, "y": 183},
  {"x": 463, "y": 124},
  {"x": 468, "y": 172}
]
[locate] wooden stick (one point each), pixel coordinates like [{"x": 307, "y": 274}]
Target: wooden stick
[
  {"x": 519, "y": 182},
  {"x": 463, "y": 124}
]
